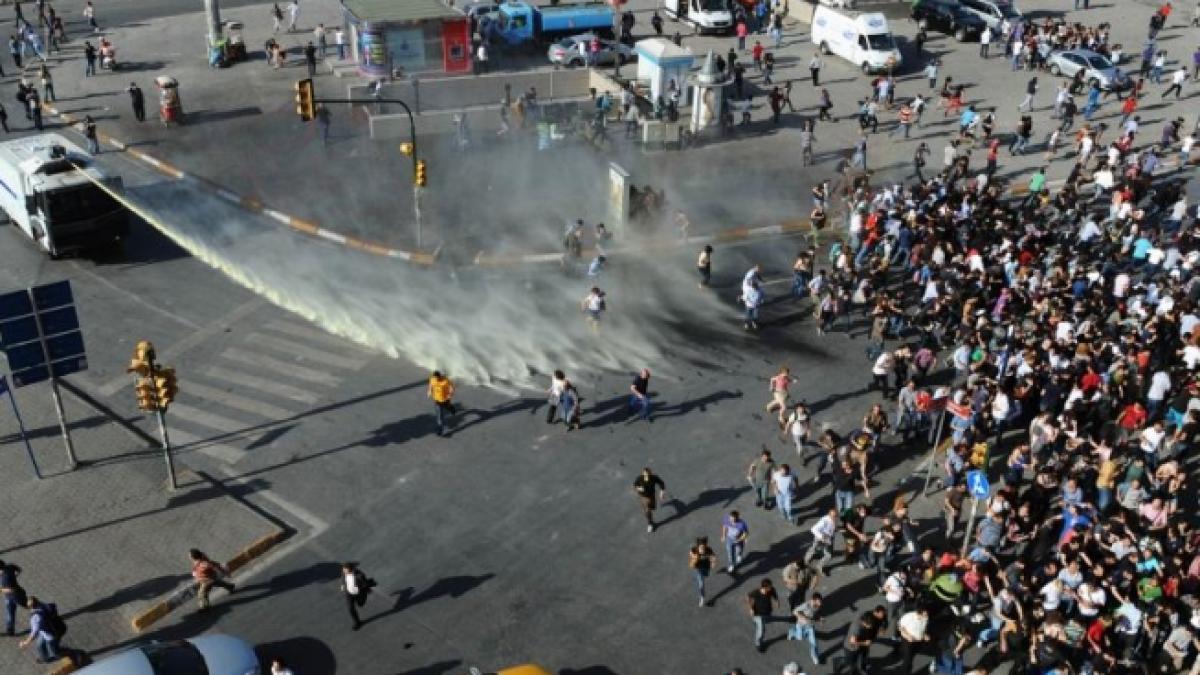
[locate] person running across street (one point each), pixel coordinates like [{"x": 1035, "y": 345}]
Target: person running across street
[
  {"x": 207, "y": 573},
  {"x": 701, "y": 559},
  {"x": 644, "y": 485},
  {"x": 734, "y": 532},
  {"x": 761, "y": 602},
  {"x": 441, "y": 392},
  {"x": 356, "y": 586}
]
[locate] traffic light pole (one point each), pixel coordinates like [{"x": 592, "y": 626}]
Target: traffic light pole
[
  {"x": 162, "y": 428},
  {"x": 166, "y": 442},
  {"x": 412, "y": 134}
]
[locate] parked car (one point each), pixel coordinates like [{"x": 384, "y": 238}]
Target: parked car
[
  {"x": 949, "y": 17},
  {"x": 566, "y": 52},
  {"x": 203, "y": 655},
  {"x": 994, "y": 12},
  {"x": 1096, "y": 68}
]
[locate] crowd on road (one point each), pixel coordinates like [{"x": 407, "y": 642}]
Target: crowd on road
[
  {"x": 1067, "y": 321},
  {"x": 1049, "y": 341}
]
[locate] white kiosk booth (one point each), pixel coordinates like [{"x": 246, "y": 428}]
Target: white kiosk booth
[{"x": 662, "y": 64}]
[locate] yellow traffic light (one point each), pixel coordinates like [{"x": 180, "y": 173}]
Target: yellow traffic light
[
  {"x": 406, "y": 149},
  {"x": 143, "y": 355},
  {"x": 144, "y": 390},
  {"x": 306, "y": 106},
  {"x": 165, "y": 387},
  {"x": 420, "y": 178}
]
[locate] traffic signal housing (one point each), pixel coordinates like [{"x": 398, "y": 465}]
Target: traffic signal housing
[
  {"x": 165, "y": 387},
  {"x": 406, "y": 149},
  {"x": 419, "y": 179},
  {"x": 144, "y": 390},
  {"x": 143, "y": 357},
  {"x": 306, "y": 105}
]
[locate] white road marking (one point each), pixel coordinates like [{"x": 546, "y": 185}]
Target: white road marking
[
  {"x": 280, "y": 367},
  {"x": 192, "y": 340},
  {"x": 296, "y": 349},
  {"x": 267, "y": 386},
  {"x": 231, "y": 400},
  {"x": 206, "y": 419}
]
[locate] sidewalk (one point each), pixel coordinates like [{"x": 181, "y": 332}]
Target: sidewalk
[{"x": 107, "y": 540}]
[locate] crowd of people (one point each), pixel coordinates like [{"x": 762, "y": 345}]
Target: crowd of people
[{"x": 1050, "y": 341}]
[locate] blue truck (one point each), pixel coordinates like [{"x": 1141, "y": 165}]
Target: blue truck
[{"x": 520, "y": 23}]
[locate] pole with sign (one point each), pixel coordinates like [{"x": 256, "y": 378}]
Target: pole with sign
[
  {"x": 979, "y": 488},
  {"x": 20, "y": 425},
  {"x": 42, "y": 341}
]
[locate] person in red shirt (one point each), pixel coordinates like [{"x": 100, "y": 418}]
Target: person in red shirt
[
  {"x": 756, "y": 53},
  {"x": 993, "y": 154},
  {"x": 1127, "y": 109},
  {"x": 1131, "y": 419}
]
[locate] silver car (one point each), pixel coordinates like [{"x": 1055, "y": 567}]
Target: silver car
[
  {"x": 203, "y": 655},
  {"x": 566, "y": 52},
  {"x": 1096, "y": 68}
]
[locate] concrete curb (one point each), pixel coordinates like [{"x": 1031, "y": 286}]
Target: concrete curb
[
  {"x": 65, "y": 665},
  {"x": 254, "y": 206},
  {"x": 186, "y": 592}
]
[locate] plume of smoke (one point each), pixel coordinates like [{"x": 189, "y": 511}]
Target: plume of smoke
[{"x": 498, "y": 329}]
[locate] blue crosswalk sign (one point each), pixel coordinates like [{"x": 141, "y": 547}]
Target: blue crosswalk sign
[{"x": 977, "y": 484}]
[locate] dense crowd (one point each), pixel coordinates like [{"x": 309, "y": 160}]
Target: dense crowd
[{"x": 1067, "y": 320}]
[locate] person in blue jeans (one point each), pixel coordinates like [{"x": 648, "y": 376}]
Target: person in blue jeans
[
  {"x": 40, "y": 631},
  {"x": 14, "y": 595},
  {"x": 807, "y": 616},
  {"x": 761, "y": 602},
  {"x": 639, "y": 394},
  {"x": 701, "y": 559},
  {"x": 734, "y": 532}
]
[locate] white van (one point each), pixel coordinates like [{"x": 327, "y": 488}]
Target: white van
[{"x": 861, "y": 38}]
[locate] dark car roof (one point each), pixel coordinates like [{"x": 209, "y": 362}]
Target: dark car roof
[{"x": 957, "y": 9}]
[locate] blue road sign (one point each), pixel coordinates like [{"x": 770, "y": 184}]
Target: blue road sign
[
  {"x": 39, "y": 332},
  {"x": 977, "y": 484}
]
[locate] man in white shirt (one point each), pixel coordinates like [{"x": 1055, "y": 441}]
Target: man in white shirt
[
  {"x": 1177, "y": 80},
  {"x": 1152, "y": 438},
  {"x": 1160, "y": 386},
  {"x": 913, "y": 630},
  {"x": 783, "y": 484},
  {"x": 822, "y": 533}
]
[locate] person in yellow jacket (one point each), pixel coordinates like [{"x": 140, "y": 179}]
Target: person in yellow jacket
[{"x": 441, "y": 390}]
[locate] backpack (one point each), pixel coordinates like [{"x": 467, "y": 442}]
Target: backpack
[{"x": 54, "y": 624}]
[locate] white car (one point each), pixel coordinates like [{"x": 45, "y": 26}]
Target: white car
[{"x": 203, "y": 655}]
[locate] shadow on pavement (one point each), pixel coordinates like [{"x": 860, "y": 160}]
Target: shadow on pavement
[
  {"x": 137, "y": 593},
  {"x": 201, "y": 621},
  {"x": 447, "y": 586},
  {"x": 434, "y": 668},
  {"x": 724, "y": 496},
  {"x": 308, "y": 653},
  {"x": 202, "y": 116},
  {"x": 208, "y": 491}
]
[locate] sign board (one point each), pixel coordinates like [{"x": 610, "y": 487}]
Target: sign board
[
  {"x": 40, "y": 333},
  {"x": 977, "y": 484}
]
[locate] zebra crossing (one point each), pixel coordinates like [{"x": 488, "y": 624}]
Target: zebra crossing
[{"x": 244, "y": 392}]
